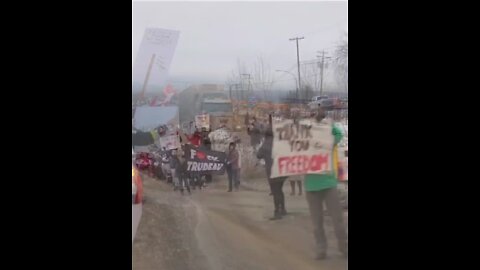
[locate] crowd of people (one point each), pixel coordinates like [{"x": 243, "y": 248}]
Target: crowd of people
[
  {"x": 320, "y": 189},
  {"x": 174, "y": 163}
]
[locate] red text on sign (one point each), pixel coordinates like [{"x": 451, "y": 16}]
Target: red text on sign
[{"x": 303, "y": 164}]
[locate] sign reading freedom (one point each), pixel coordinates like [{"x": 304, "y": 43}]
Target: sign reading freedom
[
  {"x": 204, "y": 161},
  {"x": 302, "y": 148}
]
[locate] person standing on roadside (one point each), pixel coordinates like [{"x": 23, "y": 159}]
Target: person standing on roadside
[
  {"x": 174, "y": 163},
  {"x": 206, "y": 144},
  {"x": 232, "y": 167},
  {"x": 276, "y": 184},
  {"x": 183, "y": 176},
  {"x": 322, "y": 189},
  {"x": 255, "y": 133},
  {"x": 196, "y": 138},
  {"x": 296, "y": 179}
]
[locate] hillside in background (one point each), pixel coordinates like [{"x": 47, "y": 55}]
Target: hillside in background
[{"x": 273, "y": 95}]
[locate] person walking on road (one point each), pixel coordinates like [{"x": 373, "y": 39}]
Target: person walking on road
[
  {"x": 232, "y": 166},
  {"x": 181, "y": 171},
  {"x": 174, "y": 163},
  {"x": 206, "y": 144},
  {"x": 322, "y": 189},
  {"x": 276, "y": 184}
]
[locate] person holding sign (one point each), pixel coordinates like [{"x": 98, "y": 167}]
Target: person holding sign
[
  {"x": 195, "y": 138},
  {"x": 322, "y": 189},
  {"x": 276, "y": 184},
  {"x": 254, "y": 131}
]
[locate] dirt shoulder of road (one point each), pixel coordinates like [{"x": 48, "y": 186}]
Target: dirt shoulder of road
[{"x": 212, "y": 229}]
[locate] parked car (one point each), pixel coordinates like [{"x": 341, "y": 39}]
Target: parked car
[
  {"x": 316, "y": 101},
  {"x": 329, "y": 103}
]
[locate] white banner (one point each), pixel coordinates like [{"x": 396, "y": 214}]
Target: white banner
[
  {"x": 156, "y": 51},
  {"x": 169, "y": 142},
  {"x": 301, "y": 148},
  {"x": 202, "y": 121}
]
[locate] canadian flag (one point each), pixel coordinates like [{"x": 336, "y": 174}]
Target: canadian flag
[
  {"x": 154, "y": 101},
  {"x": 169, "y": 92}
]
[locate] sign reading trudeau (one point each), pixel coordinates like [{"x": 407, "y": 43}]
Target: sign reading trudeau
[{"x": 204, "y": 161}]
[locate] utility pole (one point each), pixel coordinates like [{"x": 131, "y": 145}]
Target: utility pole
[
  {"x": 298, "y": 61},
  {"x": 322, "y": 67}
]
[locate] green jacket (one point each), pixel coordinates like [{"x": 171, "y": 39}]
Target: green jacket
[{"x": 317, "y": 182}]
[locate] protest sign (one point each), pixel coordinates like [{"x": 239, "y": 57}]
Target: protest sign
[
  {"x": 154, "y": 57},
  {"x": 169, "y": 142},
  {"x": 304, "y": 147},
  {"x": 204, "y": 161},
  {"x": 202, "y": 121}
]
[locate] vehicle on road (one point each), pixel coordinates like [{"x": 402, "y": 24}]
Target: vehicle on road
[
  {"x": 220, "y": 111},
  {"x": 316, "y": 101}
]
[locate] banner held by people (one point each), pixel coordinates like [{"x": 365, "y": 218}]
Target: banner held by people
[
  {"x": 302, "y": 147},
  {"x": 204, "y": 161}
]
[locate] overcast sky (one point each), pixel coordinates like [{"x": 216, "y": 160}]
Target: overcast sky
[{"x": 213, "y": 35}]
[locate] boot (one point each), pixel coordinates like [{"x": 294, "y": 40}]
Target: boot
[
  {"x": 321, "y": 256},
  {"x": 292, "y": 184},
  {"x": 282, "y": 211},
  {"x": 299, "y": 188},
  {"x": 276, "y": 215}
]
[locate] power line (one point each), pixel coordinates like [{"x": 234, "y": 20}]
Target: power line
[{"x": 327, "y": 27}]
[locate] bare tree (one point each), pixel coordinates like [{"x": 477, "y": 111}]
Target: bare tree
[
  {"x": 308, "y": 91},
  {"x": 236, "y": 81},
  {"x": 341, "y": 61},
  {"x": 262, "y": 76},
  {"x": 311, "y": 76}
]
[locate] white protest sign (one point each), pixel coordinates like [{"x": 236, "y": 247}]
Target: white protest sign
[
  {"x": 155, "y": 56},
  {"x": 202, "y": 121},
  {"x": 302, "y": 148},
  {"x": 169, "y": 142}
]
